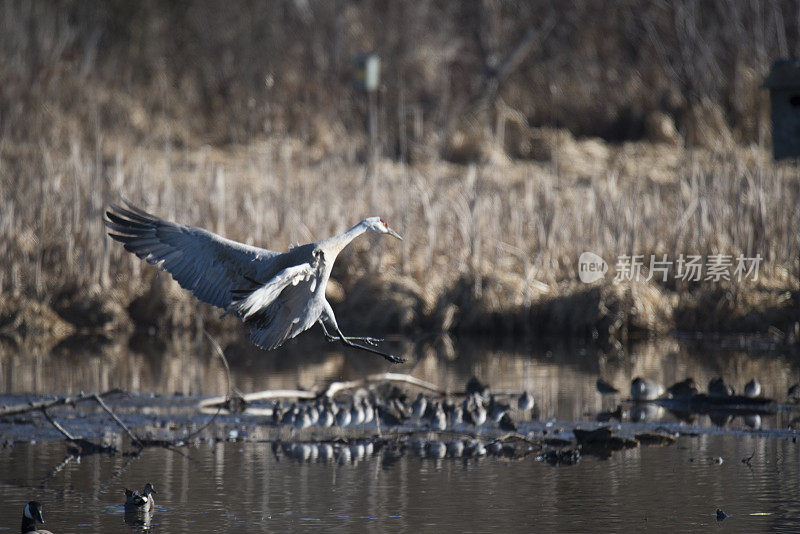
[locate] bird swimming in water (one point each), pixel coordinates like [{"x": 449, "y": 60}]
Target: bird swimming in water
[
  {"x": 32, "y": 514},
  {"x": 643, "y": 389},
  {"x": 718, "y": 388},
  {"x": 343, "y": 416},
  {"x": 143, "y": 501},
  {"x": 277, "y": 295},
  {"x": 683, "y": 389},
  {"x": 525, "y": 401},
  {"x": 474, "y": 412},
  {"x": 604, "y": 388},
  {"x": 419, "y": 406},
  {"x": 752, "y": 388},
  {"x": 438, "y": 420}
]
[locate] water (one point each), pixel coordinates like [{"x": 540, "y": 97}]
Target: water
[
  {"x": 228, "y": 485},
  {"x": 222, "y": 486},
  {"x": 561, "y": 378}
]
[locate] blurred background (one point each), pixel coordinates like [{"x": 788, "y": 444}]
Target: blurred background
[{"x": 502, "y": 139}]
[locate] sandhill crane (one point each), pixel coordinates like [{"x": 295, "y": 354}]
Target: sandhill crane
[{"x": 277, "y": 295}]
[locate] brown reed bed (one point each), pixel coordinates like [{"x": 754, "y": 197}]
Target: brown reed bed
[
  {"x": 489, "y": 248},
  {"x": 102, "y": 100}
]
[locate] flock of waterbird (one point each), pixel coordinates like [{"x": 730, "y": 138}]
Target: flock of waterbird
[
  {"x": 478, "y": 408},
  {"x": 427, "y": 417},
  {"x": 644, "y": 389}
]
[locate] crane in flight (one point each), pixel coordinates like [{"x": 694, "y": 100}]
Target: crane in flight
[{"x": 277, "y": 295}]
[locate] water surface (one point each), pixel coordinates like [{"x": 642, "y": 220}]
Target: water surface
[
  {"x": 226, "y": 486},
  {"x": 221, "y": 486}
]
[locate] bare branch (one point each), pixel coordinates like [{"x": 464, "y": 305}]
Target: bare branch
[
  {"x": 58, "y": 426},
  {"x": 117, "y": 420}
]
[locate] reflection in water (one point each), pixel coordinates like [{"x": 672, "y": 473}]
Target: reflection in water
[
  {"x": 229, "y": 486},
  {"x": 563, "y": 379}
]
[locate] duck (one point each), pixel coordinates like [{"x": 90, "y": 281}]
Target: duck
[
  {"x": 507, "y": 423},
  {"x": 718, "y": 388},
  {"x": 369, "y": 410},
  {"x": 140, "y": 501},
  {"x": 418, "y": 407},
  {"x": 474, "y": 412},
  {"x": 343, "y": 416},
  {"x": 752, "y": 388},
  {"x": 302, "y": 419},
  {"x": 643, "y": 389},
  {"x": 525, "y": 401},
  {"x": 327, "y": 416},
  {"x": 438, "y": 419},
  {"x": 497, "y": 409},
  {"x": 604, "y": 388},
  {"x": 684, "y": 389},
  {"x": 356, "y": 414},
  {"x": 32, "y": 514}
]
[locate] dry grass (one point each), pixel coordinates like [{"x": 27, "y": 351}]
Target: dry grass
[
  {"x": 104, "y": 99},
  {"x": 492, "y": 240}
]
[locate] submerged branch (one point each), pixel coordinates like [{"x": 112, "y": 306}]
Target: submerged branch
[
  {"x": 330, "y": 391},
  {"x": 58, "y": 426},
  {"x": 61, "y": 401},
  {"x": 136, "y": 441}
]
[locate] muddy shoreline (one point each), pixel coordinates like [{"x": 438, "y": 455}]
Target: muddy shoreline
[
  {"x": 179, "y": 421},
  {"x": 600, "y": 313}
]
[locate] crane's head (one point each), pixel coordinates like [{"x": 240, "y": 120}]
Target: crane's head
[{"x": 376, "y": 224}]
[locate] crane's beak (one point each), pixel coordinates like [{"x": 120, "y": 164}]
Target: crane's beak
[{"x": 393, "y": 233}]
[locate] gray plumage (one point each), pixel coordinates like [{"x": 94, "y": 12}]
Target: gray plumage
[{"x": 277, "y": 295}]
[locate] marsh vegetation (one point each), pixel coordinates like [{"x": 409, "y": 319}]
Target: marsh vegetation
[{"x": 508, "y": 146}]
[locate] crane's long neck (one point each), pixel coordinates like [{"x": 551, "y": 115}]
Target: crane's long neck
[{"x": 334, "y": 245}]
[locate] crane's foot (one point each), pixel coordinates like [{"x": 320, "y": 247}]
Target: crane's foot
[
  {"x": 394, "y": 359},
  {"x": 372, "y": 341},
  {"x": 368, "y": 340}
]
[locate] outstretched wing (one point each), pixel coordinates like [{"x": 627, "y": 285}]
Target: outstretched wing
[
  {"x": 281, "y": 308},
  {"x": 205, "y": 263}
]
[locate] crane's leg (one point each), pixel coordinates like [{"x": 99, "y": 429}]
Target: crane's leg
[
  {"x": 327, "y": 316},
  {"x": 368, "y": 340}
]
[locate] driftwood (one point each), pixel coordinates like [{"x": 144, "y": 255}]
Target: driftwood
[
  {"x": 330, "y": 391},
  {"x": 336, "y": 387},
  {"x": 70, "y": 400},
  {"x": 213, "y": 402},
  {"x": 87, "y": 447},
  {"x": 84, "y": 446}
]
